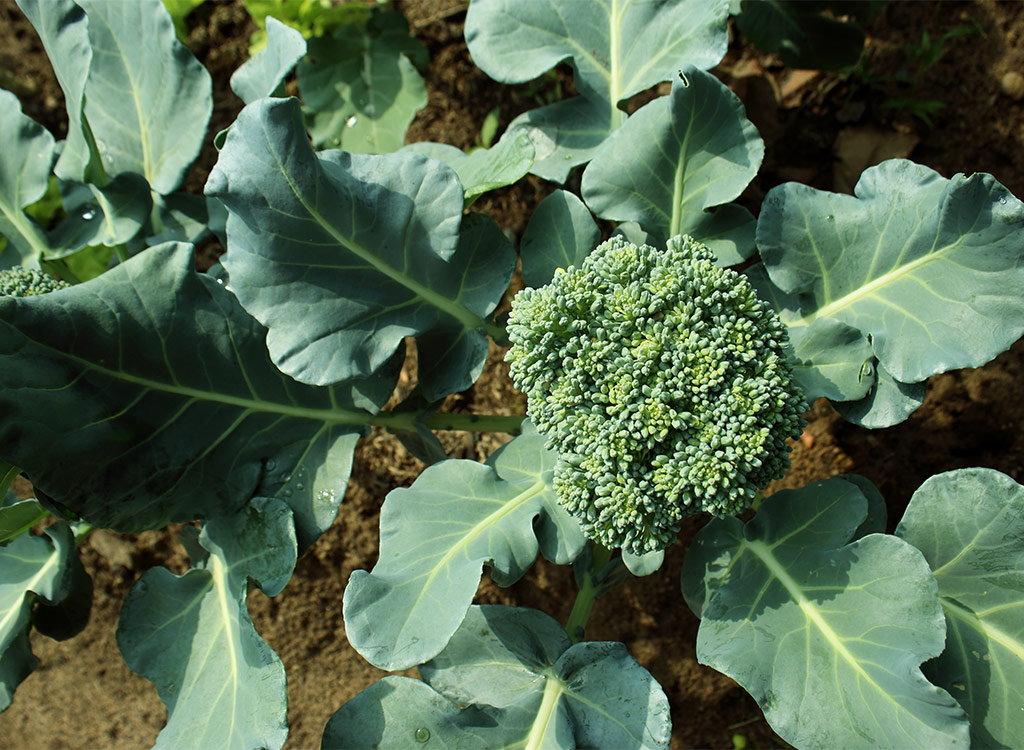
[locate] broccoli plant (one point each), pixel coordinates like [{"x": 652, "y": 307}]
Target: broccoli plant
[{"x": 659, "y": 384}]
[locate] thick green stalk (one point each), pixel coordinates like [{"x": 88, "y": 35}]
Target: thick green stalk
[
  {"x": 590, "y": 589},
  {"x": 450, "y": 421}
]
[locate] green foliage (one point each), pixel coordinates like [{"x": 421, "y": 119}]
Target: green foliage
[
  {"x": 661, "y": 381},
  {"x": 662, "y": 385},
  {"x": 311, "y": 18},
  {"x": 27, "y": 282}
]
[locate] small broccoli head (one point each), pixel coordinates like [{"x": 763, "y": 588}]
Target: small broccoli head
[
  {"x": 27, "y": 282},
  {"x": 661, "y": 381}
]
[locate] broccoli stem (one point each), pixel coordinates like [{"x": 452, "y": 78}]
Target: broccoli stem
[
  {"x": 591, "y": 587},
  {"x": 409, "y": 420}
]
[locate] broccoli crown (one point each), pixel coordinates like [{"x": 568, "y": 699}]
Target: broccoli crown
[
  {"x": 27, "y": 282},
  {"x": 661, "y": 381}
]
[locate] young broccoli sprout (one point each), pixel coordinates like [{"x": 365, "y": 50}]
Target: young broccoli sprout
[
  {"x": 27, "y": 282},
  {"x": 661, "y": 381}
]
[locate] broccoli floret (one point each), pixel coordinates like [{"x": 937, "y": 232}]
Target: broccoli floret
[
  {"x": 27, "y": 282},
  {"x": 661, "y": 381}
]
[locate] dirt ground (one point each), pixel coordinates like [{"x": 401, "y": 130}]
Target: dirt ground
[{"x": 821, "y": 129}]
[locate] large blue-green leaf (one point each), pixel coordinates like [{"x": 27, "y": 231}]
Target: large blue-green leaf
[
  {"x": 437, "y": 535},
  {"x": 63, "y": 30},
  {"x": 18, "y": 516},
  {"x": 969, "y": 524},
  {"x": 675, "y": 158},
  {"x": 561, "y": 233},
  {"x": 342, "y": 255},
  {"x": 827, "y": 636},
  {"x": 147, "y": 99},
  {"x": 589, "y": 694},
  {"x": 25, "y": 163},
  {"x": 400, "y": 712},
  {"x": 930, "y": 269},
  {"x": 360, "y": 88},
  {"x": 31, "y": 568},
  {"x": 192, "y": 637},
  {"x": 616, "y": 49},
  {"x": 483, "y": 169},
  {"x": 510, "y": 677},
  {"x": 110, "y": 215},
  {"x": 261, "y": 74},
  {"x": 154, "y": 388}
]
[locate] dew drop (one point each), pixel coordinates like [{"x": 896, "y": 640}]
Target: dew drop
[
  {"x": 271, "y": 463},
  {"x": 300, "y": 486},
  {"x": 88, "y": 214},
  {"x": 422, "y": 734},
  {"x": 830, "y": 217},
  {"x": 351, "y": 121},
  {"x": 287, "y": 493},
  {"x": 1003, "y": 201}
]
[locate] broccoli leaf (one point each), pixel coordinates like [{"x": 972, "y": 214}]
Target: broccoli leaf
[
  {"x": 675, "y": 158},
  {"x": 615, "y": 50},
  {"x": 342, "y": 255},
  {"x": 561, "y": 233},
  {"x": 63, "y": 30},
  {"x": 360, "y": 87},
  {"x": 147, "y": 99},
  {"x": 44, "y": 567},
  {"x": 521, "y": 683},
  {"x": 969, "y": 524},
  {"x": 109, "y": 215},
  {"x": 888, "y": 402},
  {"x": 154, "y": 387},
  {"x": 191, "y": 635},
  {"x": 483, "y": 169},
  {"x": 19, "y": 516},
  {"x": 261, "y": 74},
  {"x": 800, "y": 34},
  {"x": 24, "y": 176},
  {"x": 930, "y": 269},
  {"x": 844, "y": 626},
  {"x": 438, "y": 534}
]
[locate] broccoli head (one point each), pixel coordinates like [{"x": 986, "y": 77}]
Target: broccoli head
[
  {"x": 661, "y": 381},
  {"x": 27, "y": 282}
]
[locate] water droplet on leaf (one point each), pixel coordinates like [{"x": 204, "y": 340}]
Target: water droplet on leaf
[
  {"x": 830, "y": 217},
  {"x": 88, "y": 214},
  {"x": 422, "y": 734},
  {"x": 271, "y": 463},
  {"x": 351, "y": 121},
  {"x": 300, "y": 487}
]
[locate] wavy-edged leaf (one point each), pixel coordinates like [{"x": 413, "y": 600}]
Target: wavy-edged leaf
[
  {"x": 888, "y": 402},
  {"x": 561, "y": 233},
  {"x": 25, "y": 163},
  {"x": 675, "y": 158},
  {"x": 589, "y": 694},
  {"x": 192, "y": 637},
  {"x": 616, "y": 50},
  {"x": 969, "y": 524},
  {"x": 931, "y": 269},
  {"x": 63, "y": 30},
  {"x": 510, "y": 677},
  {"x": 360, "y": 88},
  {"x": 154, "y": 387},
  {"x": 147, "y": 99},
  {"x": 112, "y": 215},
  {"x": 19, "y": 516},
  {"x": 343, "y": 255},
  {"x": 31, "y": 568},
  {"x": 827, "y": 636},
  {"x": 437, "y": 535},
  {"x": 483, "y": 169},
  {"x": 261, "y": 74}
]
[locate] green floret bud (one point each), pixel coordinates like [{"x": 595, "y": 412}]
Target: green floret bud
[
  {"x": 27, "y": 282},
  {"x": 661, "y": 381}
]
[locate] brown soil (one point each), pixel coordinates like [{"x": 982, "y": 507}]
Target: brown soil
[{"x": 82, "y": 695}]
